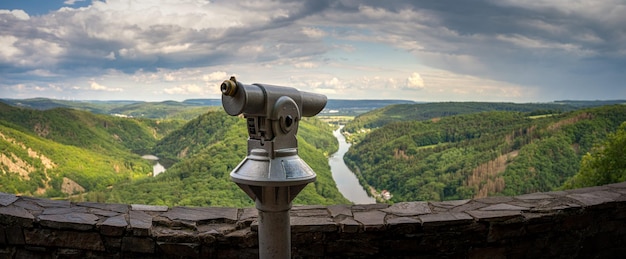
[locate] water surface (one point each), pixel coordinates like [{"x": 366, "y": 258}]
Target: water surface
[{"x": 346, "y": 181}]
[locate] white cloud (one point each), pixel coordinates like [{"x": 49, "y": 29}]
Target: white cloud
[
  {"x": 110, "y": 56},
  {"x": 98, "y": 87},
  {"x": 217, "y": 76},
  {"x": 313, "y": 32},
  {"x": 186, "y": 89},
  {"x": 19, "y": 14},
  {"x": 72, "y": 2},
  {"x": 334, "y": 83},
  {"x": 8, "y": 50},
  {"x": 305, "y": 65},
  {"x": 415, "y": 81}
]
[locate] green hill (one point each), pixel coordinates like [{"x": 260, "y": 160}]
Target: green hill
[
  {"x": 479, "y": 154},
  {"x": 186, "y": 110},
  {"x": 426, "y": 111},
  {"x": 207, "y": 149},
  {"x": 44, "y": 150},
  {"x": 59, "y": 152}
]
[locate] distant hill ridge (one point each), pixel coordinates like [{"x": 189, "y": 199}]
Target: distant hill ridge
[
  {"x": 479, "y": 153},
  {"x": 426, "y": 111}
]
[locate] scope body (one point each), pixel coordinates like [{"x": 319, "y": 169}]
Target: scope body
[{"x": 272, "y": 112}]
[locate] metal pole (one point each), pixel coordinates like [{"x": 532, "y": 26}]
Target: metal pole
[{"x": 274, "y": 226}]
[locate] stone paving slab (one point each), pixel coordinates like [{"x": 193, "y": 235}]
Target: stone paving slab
[
  {"x": 114, "y": 226},
  {"x": 371, "y": 220},
  {"x": 439, "y": 219},
  {"x": 310, "y": 213},
  {"x": 114, "y": 207},
  {"x": 148, "y": 207},
  {"x": 140, "y": 223},
  {"x": 249, "y": 213},
  {"x": 403, "y": 221},
  {"x": 28, "y": 205},
  {"x": 495, "y": 199},
  {"x": 498, "y": 215},
  {"x": 312, "y": 224},
  {"x": 6, "y": 199},
  {"x": 349, "y": 225},
  {"x": 336, "y": 210},
  {"x": 68, "y": 210},
  {"x": 590, "y": 199},
  {"x": 14, "y": 215},
  {"x": 449, "y": 204},
  {"x": 45, "y": 203},
  {"x": 504, "y": 206},
  {"x": 408, "y": 208},
  {"x": 77, "y": 221},
  {"x": 202, "y": 215},
  {"x": 534, "y": 196}
]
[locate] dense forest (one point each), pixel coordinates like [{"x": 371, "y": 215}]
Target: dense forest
[
  {"x": 69, "y": 153},
  {"x": 425, "y": 111},
  {"x": 426, "y": 151},
  {"x": 480, "y": 154},
  {"x": 207, "y": 149}
]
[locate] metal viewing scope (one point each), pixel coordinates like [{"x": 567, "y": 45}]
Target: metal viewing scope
[
  {"x": 272, "y": 174},
  {"x": 272, "y": 112}
]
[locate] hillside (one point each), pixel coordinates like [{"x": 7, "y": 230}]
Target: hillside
[
  {"x": 426, "y": 111},
  {"x": 185, "y": 110},
  {"x": 480, "y": 154},
  {"x": 44, "y": 152},
  {"x": 60, "y": 152},
  {"x": 207, "y": 149}
]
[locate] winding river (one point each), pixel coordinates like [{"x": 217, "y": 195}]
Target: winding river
[{"x": 346, "y": 181}]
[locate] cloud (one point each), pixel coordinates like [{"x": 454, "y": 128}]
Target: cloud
[
  {"x": 72, "y": 2},
  {"x": 188, "y": 89},
  {"x": 339, "y": 46},
  {"x": 217, "y": 76},
  {"x": 19, "y": 14},
  {"x": 98, "y": 87},
  {"x": 414, "y": 81}
]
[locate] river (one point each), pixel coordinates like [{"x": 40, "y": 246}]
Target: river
[
  {"x": 346, "y": 181},
  {"x": 157, "y": 168}
]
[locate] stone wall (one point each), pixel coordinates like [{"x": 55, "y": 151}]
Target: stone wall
[{"x": 582, "y": 223}]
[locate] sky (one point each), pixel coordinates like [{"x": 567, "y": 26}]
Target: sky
[{"x": 155, "y": 50}]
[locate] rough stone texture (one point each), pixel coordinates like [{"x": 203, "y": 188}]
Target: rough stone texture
[
  {"x": 408, "y": 208},
  {"x": 582, "y": 223}
]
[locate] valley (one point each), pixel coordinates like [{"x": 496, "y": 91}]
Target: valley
[{"x": 417, "y": 151}]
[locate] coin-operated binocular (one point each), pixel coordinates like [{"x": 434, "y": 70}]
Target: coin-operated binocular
[{"x": 272, "y": 174}]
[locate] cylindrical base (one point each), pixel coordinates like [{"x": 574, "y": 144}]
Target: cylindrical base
[{"x": 274, "y": 234}]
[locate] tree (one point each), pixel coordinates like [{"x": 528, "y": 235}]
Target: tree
[{"x": 604, "y": 164}]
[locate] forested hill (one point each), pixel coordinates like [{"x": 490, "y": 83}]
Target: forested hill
[
  {"x": 185, "y": 110},
  {"x": 479, "y": 154},
  {"x": 207, "y": 149},
  {"x": 426, "y": 111},
  {"x": 59, "y": 151},
  {"x": 62, "y": 152}
]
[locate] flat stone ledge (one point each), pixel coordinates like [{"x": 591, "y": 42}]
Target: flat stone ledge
[{"x": 87, "y": 228}]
